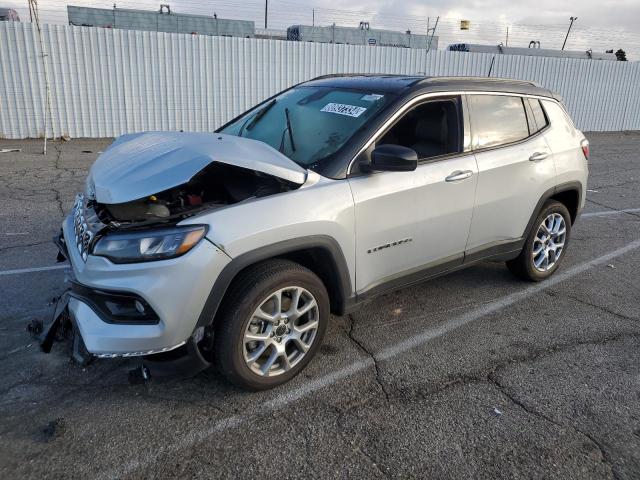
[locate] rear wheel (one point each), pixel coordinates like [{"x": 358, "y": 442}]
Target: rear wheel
[
  {"x": 273, "y": 321},
  {"x": 545, "y": 246}
]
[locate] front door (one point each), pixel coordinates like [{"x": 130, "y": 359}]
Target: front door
[{"x": 410, "y": 222}]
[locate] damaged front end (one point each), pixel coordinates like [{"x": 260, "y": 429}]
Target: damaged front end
[
  {"x": 62, "y": 329},
  {"x": 140, "y": 277},
  {"x": 183, "y": 361},
  {"x": 217, "y": 185}
]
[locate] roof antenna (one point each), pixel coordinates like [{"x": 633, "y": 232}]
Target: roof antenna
[{"x": 491, "y": 66}]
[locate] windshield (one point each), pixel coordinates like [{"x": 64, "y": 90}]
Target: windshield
[{"x": 308, "y": 124}]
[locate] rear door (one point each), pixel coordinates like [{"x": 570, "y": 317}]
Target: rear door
[
  {"x": 408, "y": 223},
  {"x": 515, "y": 168}
]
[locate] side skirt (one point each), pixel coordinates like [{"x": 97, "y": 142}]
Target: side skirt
[{"x": 497, "y": 252}]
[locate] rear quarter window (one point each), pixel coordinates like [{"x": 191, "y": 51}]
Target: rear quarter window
[
  {"x": 538, "y": 114},
  {"x": 497, "y": 120}
]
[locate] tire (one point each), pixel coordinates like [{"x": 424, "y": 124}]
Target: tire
[
  {"x": 251, "y": 299},
  {"x": 531, "y": 267}
]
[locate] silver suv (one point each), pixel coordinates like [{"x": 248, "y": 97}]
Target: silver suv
[{"x": 233, "y": 247}]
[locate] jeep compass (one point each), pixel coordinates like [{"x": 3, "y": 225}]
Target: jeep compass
[{"x": 234, "y": 247}]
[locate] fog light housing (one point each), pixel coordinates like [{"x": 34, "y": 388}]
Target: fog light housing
[{"x": 116, "y": 307}]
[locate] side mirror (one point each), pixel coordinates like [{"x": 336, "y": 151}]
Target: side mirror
[{"x": 392, "y": 158}]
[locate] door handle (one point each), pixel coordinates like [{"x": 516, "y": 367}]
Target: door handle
[
  {"x": 458, "y": 175},
  {"x": 536, "y": 157}
]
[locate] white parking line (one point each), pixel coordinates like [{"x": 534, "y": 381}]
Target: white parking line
[
  {"x": 32, "y": 270},
  {"x": 606, "y": 213},
  {"x": 194, "y": 436}
]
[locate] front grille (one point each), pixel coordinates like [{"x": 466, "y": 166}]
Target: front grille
[{"x": 85, "y": 225}]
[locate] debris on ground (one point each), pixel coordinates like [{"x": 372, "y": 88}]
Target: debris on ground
[
  {"x": 497, "y": 412},
  {"x": 592, "y": 191},
  {"x": 65, "y": 138},
  {"x": 53, "y": 301},
  {"x": 35, "y": 327},
  {"x": 10, "y": 150},
  {"x": 139, "y": 376},
  {"x": 53, "y": 429},
  {"x": 611, "y": 265}
]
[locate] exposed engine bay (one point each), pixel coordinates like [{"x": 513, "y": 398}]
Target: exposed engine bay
[{"x": 217, "y": 185}]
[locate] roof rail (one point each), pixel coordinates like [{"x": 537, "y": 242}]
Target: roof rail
[
  {"x": 479, "y": 79},
  {"x": 338, "y": 75}
]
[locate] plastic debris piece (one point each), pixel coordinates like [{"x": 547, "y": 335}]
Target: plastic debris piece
[
  {"x": 497, "y": 412},
  {"x": 53, "y": 429},
  {"x": 35, "y": 327},
  {"x": 139, "y": 376},
  {"x": 611, "y": 265},
  {"x": 10, "y": 150}
]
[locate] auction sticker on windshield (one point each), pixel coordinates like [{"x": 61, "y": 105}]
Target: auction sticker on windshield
[{"x": 342, "y": 109}]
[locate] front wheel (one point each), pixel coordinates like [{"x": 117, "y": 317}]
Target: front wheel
[
  {"x": 272, "y": 323},
  {"x": 545, "y": 246}
]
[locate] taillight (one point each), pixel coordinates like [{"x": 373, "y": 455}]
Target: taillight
[{"x": 585, "y": 148}]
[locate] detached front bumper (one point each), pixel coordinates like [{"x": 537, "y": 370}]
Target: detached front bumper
[{"x": 172, "y": 293}]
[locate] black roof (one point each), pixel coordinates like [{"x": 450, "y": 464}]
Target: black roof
[
  {"x": 405, "y": 84},
  {"x": 381, "y": 83}
]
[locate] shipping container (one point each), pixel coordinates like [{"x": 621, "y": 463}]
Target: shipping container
[
  {"x": 361, "y": 36},
  {"x": 533, "y": 52},
  {"x": 161, "y": 21}
]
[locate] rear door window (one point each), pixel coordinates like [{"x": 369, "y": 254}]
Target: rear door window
[{"x": 497, "y": 120}]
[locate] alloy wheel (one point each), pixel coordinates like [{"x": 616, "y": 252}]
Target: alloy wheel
[
  {"x": 280, "y": 331},
  {"x": 548, "y": 244}
]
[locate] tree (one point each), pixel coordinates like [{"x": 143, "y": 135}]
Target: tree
[{"x": 621, "y": 55}]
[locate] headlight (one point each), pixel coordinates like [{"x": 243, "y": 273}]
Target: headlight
[{"x": 149, "y": 245}]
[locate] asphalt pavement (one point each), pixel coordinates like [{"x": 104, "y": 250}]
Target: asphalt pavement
[{"x": 472, "y": 375}]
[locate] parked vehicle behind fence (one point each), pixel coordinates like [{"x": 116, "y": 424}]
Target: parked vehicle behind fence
[
  {"x": 232, "y": 248},
  {"x": 8, "y": 15}
]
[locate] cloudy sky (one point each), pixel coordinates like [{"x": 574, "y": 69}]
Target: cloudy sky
[{"x": 601, "y": 24}]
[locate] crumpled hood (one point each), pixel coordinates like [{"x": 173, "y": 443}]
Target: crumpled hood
[{"x": 143, "y": 164}]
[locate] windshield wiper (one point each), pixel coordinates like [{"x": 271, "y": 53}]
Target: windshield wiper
[
  {"x": 251, "y": 121},
  {"x": 288, "y": 129}
]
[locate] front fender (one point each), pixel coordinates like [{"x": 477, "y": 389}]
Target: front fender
[{"x": 279, "y": 249}]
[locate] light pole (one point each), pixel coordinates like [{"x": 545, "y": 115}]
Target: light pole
[
  {"x": 573, "y": 19},
  {"x": 266, "y": 9},
  {"x": 35, "y": 15}
]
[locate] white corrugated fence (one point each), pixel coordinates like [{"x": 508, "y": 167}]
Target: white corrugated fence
[{"x": 108, "y": 82}]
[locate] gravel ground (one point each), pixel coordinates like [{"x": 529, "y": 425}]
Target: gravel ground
[{"x": 475, "y": 374}]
